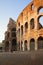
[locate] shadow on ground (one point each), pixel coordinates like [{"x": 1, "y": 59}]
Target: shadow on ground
[{"x": 22, "y": 58}]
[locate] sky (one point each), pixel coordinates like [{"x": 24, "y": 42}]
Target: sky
[{"x": 10, "y": 9}]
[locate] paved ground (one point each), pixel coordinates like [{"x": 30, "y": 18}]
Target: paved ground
[{"x": 22, "y": 58}]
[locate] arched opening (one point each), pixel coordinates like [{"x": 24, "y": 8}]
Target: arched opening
[
  {"x": 32, "y": 44},
  {"x": 26, "y": 26},
  {"x": 18, "y": 33},
  {"x": 13, "y": 31},
  {"x": 19, "y": 24},
  {"x": 25, "y": 45},
  {"x": 14, "y": 45},
  {"x": 22, "y": 30},
  {"x": 8, "y": 35},
  {"x": 32, "y": 24},
  {"x": 13, "y": 34},
  {"x": 7, "y": 46},
  {"x": 40, "y": 9},
  {"x": 21, "y": 46},
  {"x": 32, "y": 6},
  {"x": 40, "y": 43},
  {"x": 40, "y": 21}
]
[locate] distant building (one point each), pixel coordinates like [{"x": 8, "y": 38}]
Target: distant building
[{"x": 9, "y": 44}]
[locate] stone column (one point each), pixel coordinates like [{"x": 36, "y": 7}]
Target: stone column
[
  {"x": 28, "y": 45},
  {"x": 20, "y": 38},
  {"x": 36, "y": 44},
  {"x": 23, "y": 37},
  {"x": 36, "y": 20},
  {"x": 23, "y": 46}
]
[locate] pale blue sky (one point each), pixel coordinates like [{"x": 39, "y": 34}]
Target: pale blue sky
[{"x": 10, "y": 8}]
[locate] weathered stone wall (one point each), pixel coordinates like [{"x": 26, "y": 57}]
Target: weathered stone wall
[{"x": 30, "y": 12}]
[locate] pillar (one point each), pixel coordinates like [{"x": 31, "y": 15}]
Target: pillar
[
  {"x": 23, "y": 46},
  {"x": 36, "y": 44},
  {"x": 20, "y": 38}
]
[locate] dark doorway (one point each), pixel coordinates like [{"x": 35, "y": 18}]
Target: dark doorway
[
  {"x": 22, "y": 30},
  {"x": 14, "y": 46},
  {"x": 32, "y": 23},
  {"x": 32, "y": 44},
  {"x": 26, "y": 26},
  {"x": 25, "y": 45},
  {"x": 21, "y": 46},
  {"x": 40, "y": 43},
  {"x": 7, "y": 46}
]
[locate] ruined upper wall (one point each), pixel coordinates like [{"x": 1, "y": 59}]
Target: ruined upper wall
[
  {"x": 11, "y": 24},
  {"x": 28, "y": 9}
]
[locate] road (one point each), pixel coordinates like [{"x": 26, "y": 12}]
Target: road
[{"x": 22, "y": 58}]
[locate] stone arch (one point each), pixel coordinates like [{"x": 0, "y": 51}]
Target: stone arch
[
  {"x": 40, "y": 21},
  {"x": 40, "y": 9},
  {"x": 13, "y": 31},
  {"x": 40, "y": 42},
  {"x": 32, "y": 44},
  {"x": 22, "y": 29},
  {"x": 32, "y": 6},
  {"x": 25, "y": 45},
  {"x": 19, "y": 24},
  {"x": 18, "y": 32},
  {"x": 14, "y": 45},
  {"x": 7, "y": 46},
  {"x": 26, "y": 26},
  {"x": 32, "y": 23},
  {"x": 22, "y": 45}
]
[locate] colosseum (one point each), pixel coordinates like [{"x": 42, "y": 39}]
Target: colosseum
[
  {"x": 10, "y": 37},
  {"x": 29, "y": 30}
]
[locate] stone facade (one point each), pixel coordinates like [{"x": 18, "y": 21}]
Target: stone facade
[
  {"x": 29, "y": 29},
  {"x": 9, "y": 44}
]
